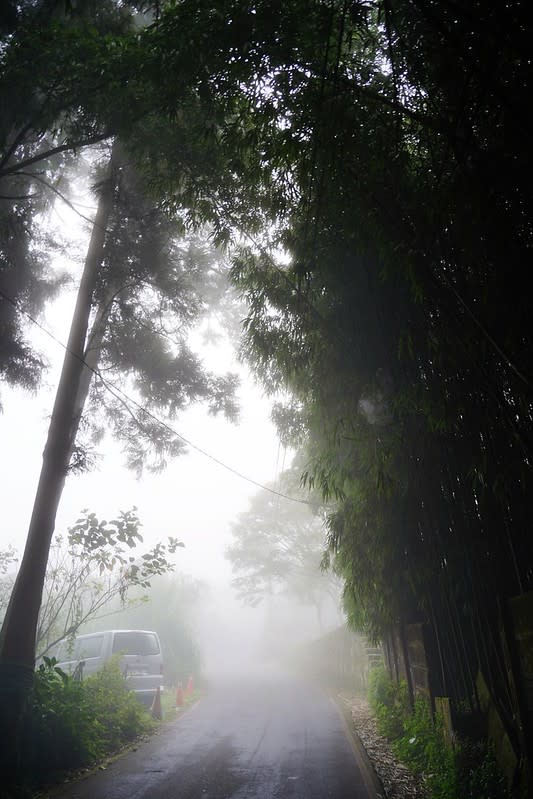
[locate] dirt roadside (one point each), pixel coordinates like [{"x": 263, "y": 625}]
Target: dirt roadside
[{"x": 395, "y": 781}]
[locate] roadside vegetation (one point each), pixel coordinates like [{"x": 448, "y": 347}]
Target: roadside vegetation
[
  {"x": 464, "y": 769},
  {"x": 72, "y": 724}
]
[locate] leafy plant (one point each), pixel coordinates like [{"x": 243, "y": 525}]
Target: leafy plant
[
  {"x": 390, "y": 701},
  {"x": 479, "y": 774},
  {"x": 95, "y": 565},
  {"x": 466, "y": 771},
  {"x": 422, "y": 747},
  {"x": 70, "y": 724},
  {"x": 60, "y": 731},
  {"x": 118, "y": 716},
  {"x": 380, "y": 687}
]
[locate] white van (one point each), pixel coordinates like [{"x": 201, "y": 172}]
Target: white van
[{"x": 141, "y": 660}]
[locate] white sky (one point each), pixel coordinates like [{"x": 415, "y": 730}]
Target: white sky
[{"x": 194, "y": 499}]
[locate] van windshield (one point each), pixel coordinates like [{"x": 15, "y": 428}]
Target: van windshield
[{"x": 136, "y": 643}]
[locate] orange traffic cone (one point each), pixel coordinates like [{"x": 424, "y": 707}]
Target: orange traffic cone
[
  {"x": 190, "y": 687},
  {"x": 179, "y": 696},
  {"x": 156, "y": 710}
]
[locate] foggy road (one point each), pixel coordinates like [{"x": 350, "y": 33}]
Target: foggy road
[{"x": 268, "y": 738}]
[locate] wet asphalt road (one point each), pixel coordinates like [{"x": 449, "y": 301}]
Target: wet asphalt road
[{"x": 268, "y": 738}]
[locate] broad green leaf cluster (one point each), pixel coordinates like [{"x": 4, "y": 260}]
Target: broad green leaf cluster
[{"x": 94, "y": 572}]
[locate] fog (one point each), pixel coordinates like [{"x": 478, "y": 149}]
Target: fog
[
  {"x": 236, "y": 640},
  {"x": 196, "y": 499}
]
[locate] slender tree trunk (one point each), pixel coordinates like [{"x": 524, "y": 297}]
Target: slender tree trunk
[{"x": 17, "y": 638}]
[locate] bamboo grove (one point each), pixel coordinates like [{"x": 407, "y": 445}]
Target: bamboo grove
[{"x": 401, "y": 328}]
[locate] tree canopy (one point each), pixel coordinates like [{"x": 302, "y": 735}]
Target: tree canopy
[
  {"x": 278, "y": 547},
  {"x": 396, "y": 326}
]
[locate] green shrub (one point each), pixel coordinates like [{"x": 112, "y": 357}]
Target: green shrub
[
  {"x": 380, "y": 687},
  {"x": 479, "y": 773},
  {"x": 118, "y": 715},
  {"x": 468, "y": 771},
  {"x": 423, "y": 749},
  {"x": 60, "y": 729},
  {"x": 390, "y": 702},
  {"x": 70, "y": 724}
]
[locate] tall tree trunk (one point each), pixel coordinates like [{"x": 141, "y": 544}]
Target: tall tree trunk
[{"x": 17, "y": 638}]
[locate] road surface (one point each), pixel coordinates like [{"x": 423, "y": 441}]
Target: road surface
[{"x": 272, "y": 737}]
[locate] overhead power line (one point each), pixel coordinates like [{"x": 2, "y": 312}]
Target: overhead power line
[{"x": 126, "y": 398}]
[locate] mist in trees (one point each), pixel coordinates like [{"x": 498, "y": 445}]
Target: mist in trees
[
  {"x": 126, "y": 273},
  {"x": 171, "y": 606},
  {"x": 382, "y": 148},
  {"x": 278, "y": 549}
]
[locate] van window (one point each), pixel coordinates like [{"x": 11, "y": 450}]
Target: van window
[
  {"x": 80, "y": 648},
  {"x": 136, "y": 643},
  {"x": 88, "y": 647},
  {"x": 64, "y": 651}
]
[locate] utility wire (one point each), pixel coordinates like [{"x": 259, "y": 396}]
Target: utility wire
[{"x": 114, "y": 391}]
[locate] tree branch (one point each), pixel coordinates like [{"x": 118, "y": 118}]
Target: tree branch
[{"x": 61, "y": 148}]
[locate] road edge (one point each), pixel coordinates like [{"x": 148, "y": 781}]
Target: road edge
[
  {"x": 79, "y": 775},
  {"x": 371, "y": 779}
]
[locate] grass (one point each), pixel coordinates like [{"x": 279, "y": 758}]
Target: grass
[{"x": 168, "y": 703}]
